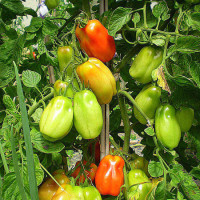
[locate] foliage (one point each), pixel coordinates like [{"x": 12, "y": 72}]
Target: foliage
[{"x": 26, "y": 87}]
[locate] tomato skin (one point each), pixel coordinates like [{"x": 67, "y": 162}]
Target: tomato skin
[
  {"x": 77, "y": 193},
  {"x": 88, "y": 118},
  {"x": 62, "y": 88},
  {"x": 99, "y": 78},
  {"x": 95, "y": 41},
  {"x": 65, "y": 55},
  {"x": 167, "y": 127},
  {"x": 90, "y": 173},
  {"x": 140, "y": 163},
  {"x": 140, "y": 191},
  {"x": 57, "y": 127},
  {"x": 185, "y": 117},
  {"x": 49, "y": 187},
  {"x": 109, "y": 176},
  {"x": 52, "y": 4},
  {"x": 148, "y": 59},
  {"x": 148, "y": 100}
]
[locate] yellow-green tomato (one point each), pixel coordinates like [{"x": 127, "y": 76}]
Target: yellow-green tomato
[
  {"x": 52, "y": 4},
  {"x": 88, "y": 118},
  {"x": 140, "y": 163},
  {"x": 140, "y": 190},
  {"x": 65, "y": 88},
  {"x": 57, "y": 118},
  {"x": 167, "y": 127},
  {"x": 65, "y": 56},
  {"x": 185, "y": 117},
  {"x": 148, "y": 100},
  {"x": 148, "y": 59}
]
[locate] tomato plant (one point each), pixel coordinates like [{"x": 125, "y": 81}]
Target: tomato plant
[{"x": 118, "y": 74}]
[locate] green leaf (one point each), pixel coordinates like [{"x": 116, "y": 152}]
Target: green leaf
[
  {"x": 195, "y": 72},
  {"x": 187, "y": 44},
  {"x": 161, "y": 10},
  {"x": 158, "y": 40},
  {"x": 195, "y": 172},
  {"x": 161, "y": 191},
  {"x": 119, "y": 18},
  {"x": 35, "y": 25},
  {"x": 136, "y": 18},
  {"x": 37, "y": 115},
  {"x": 10, "y": 189},
  {"x": 149, "y": 131},
  {"x": 43, "y": 145},
  {"x": 8, "y": 102},
  {"x": 49, "y": 28},
  {"x": 15, "y": 6},
  {"x": 30, "y": 78},
  {"x": 182, "y": 179},
  {"x": 155, "y": 169},
  {"x": 10, "y": 51}
]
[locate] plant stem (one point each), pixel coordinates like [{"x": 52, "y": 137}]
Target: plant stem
[
  {"x": 178, "y": 20},
  {"x": 125, "y": 118},
  {"x": 86, "y": 7},
  {"x": 3, "y": 159},
  {"x": 126, "y": 94},
  {"x": 145, "y": 15},
  {"x": 154, "y": 31},
  {"x": 34, "y": 107}
]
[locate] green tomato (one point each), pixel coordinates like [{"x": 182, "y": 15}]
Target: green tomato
[
  {"x": 140, "y": 189},
  {"x": 148, "y": 59},
  {"x": 62, "y": 88},
  {"x": 88, "y": 119},
  {"x": 167, "y": 127},
  {"x": 77, "y": 193},
  {"x": 91, "y": 192},
  {"x": 148, "y": 100},
  {"x": 65, "y": 56},
  {"x": 57, "y": 118},
  {"x": 185, "y": 117},
  {"x": 140, "y": 163},
  {"x": 52, "y": 4}
]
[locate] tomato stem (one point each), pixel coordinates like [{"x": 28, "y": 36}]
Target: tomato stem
[
  {"x": 126, "y": 94},
  {"x": 125, "y": 118}
]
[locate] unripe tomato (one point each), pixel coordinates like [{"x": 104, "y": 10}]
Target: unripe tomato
[
  {"x": 52, "y": 4},
  {"x": 185, "y": 117},
  {"x": 57, "y": 118},
  {"x": 49, "y": 187},
  {"x": 65, "y": 56}
]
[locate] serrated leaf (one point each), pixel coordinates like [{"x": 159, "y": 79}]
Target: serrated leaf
[
  {"x": 15, "y": 6},
  {"x": 155, "y": 169},
  {"x": 43, "y": 145},
  {"x": 182, "y": 179},
  {"x": 10, "y": 51},
  {"x": 37, "y": 115},
  {"x": 161, "y": 10},
  {"x": 187, "y": 44},
  {"x": 30, "y": 78},
  {"x": 49, "y": 28},
  {"x": 10, "y": 188},
  {"x": 195, "y": 172},
  {"x": 195, "y": 72},
  {"x": 136, "y": 18},
  {"x": 35, "y": 25},
  {"x": 161, "y": 191},
  {"x": 119, "y": 18},
  {"x": 149, "y": 131},
  {"x": 8, "y": 102},
  {"x": 158, "y": 40}
]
